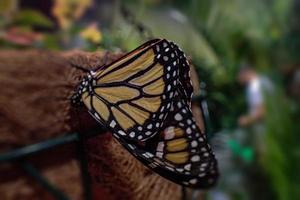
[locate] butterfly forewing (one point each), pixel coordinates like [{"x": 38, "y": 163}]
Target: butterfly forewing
[
  {"x": 184, "y": 73},
  {"x": 133, "y": 95}
]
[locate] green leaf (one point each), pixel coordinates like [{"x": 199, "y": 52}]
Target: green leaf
[{"x": 33, "y": 18}]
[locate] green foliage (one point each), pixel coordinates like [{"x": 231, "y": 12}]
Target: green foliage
[
  {"x": 282, "y": 158},
  {"x": 32, "y": 18}
]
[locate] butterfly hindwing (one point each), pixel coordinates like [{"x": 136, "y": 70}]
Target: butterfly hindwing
[
  {"x": 184, "y": 146},
  {"x": 180, "y": 151}
]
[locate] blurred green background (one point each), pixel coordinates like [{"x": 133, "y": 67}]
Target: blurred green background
[{"x": 219, "y": 36}]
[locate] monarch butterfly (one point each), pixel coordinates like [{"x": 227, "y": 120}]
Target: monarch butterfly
[{"x": 144, "y": 98}]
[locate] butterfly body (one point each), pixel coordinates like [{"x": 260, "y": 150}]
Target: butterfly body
[
  {"x": 144, "y": 100},
  {"x": 86, "y": 85}
]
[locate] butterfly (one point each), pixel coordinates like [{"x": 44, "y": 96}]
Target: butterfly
[{"x": 144, "y": 99}]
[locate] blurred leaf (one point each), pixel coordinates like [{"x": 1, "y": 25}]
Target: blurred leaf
[
  {"x": 51, "y": 42},
  {"x": 280, "y": 160},
  {"x": 67, "y": 11},
  {"x": 174, "y": 25},
  {"x": 33, "y": 18},
  {"x": 8, "y": 7}
]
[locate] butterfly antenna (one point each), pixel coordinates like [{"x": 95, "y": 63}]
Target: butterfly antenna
[
  {"x": 79, "y": 67},
  {"x": 104, "y": 62}
]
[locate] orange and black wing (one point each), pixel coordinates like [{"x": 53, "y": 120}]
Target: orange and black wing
[
  {"x": 185, "y": 83},
  {"x": 144, "y": 99},
  {"x": 180, "y": 151},
  {"x": 133, "y": 95}
]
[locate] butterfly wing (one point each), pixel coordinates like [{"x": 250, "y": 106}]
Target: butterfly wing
[
  {"x": 144, "y": 99},
  {"x": 180, "y": 151},
  {"x": 184, "y": 146},
  {"x": 133, "y": 95},
  {"x": 184, "y": 73}
]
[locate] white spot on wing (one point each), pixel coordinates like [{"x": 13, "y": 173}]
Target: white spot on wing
[
  {"x": 187, "y": 167},
  {"x": 97, "y": 116},
  {"x": 112, "y": 124},
  {"x": 159, "y": 154},
  {"x": 195, "y": 158},
  {"x": 188, "y": 130},
  {"x": 179, "y": 169},
  {"x": 131, "y": 146},
  {"x": 132, "y": 134},
  {"x": 193, "y": 181},
  {"x": 169, "y": 133},
  {"x": 121, "y": 132},
  {"x": 160, "y": 146},
  {"x": 194, "y": 143},
  {"x": 178, "y": 117},
  {"x": 148, "y": 133},
  {"x": 169, "y": 87}
]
